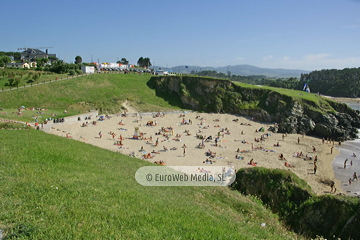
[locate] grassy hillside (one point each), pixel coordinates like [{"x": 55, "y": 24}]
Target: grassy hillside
[
  {"x": 296, "y": 94},
  {"x": 25, "y": 75},
  {"x": 289, "y": 92},
  {"x": 104, "y": 92},
  {"x": 58, "y": 188}
]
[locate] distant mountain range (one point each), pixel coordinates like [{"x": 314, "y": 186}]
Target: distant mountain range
[{"x": 243, "y": 70}]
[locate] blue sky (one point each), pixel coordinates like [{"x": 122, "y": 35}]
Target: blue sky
[{"x": 290, "y": 34}]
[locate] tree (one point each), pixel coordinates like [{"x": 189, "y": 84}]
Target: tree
[
  {"x": 147, "y": 62},
  {"x": 144, "y": 62},
  {"x": 78, "y": 60},
  {"x": 41, "y": 61},
  {"x": 4, "y": 60},
  {"x": 124, "y": 61},
  {"x": 140, "y": 61},
  {"x": 52, "y": 59}
]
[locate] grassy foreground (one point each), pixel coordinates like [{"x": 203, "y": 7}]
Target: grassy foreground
[{"x": 58, "y": 188}]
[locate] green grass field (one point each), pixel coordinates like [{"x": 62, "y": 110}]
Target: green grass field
[
  {"x": 288, "y": 92},
  {"x": 24, "y": 77},
  {"x": 59, "y": 188},
  {"x": 104, "y": 92}
]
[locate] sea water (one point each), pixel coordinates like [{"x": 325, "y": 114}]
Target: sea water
[
  {"x": 344, "y": 174},
  {"x": 346, "y": 152}
]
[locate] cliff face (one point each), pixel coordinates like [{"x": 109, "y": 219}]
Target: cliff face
[
  {"x": 301, "y": 210},
  {"x": 293, "y": 115}
]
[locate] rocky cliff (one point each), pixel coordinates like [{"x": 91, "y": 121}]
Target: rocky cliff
[
  {"x": 304, "y": 212},
  {"x": 322, "y": 117}
]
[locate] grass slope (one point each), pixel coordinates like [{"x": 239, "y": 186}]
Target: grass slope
[
  {"x": 25, "y": 75},
  {"x": 58, "y": 188},
  {"x": 288, "y": 92},
  {"x": 104, "y": 92}
]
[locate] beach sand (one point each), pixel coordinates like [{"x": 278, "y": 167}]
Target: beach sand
[
  {"x": 210, "y": 125},
  {"x": 343, "y": 99}
]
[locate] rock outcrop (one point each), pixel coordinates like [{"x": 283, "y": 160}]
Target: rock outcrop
[
  {"x": 323, "y": 118},
  {"x": 304, "y": 212}
]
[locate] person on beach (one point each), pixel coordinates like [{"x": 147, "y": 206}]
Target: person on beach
[
  {"x": 100, "y": 134},
  {"x": 184, "y": 152},
  {"x": 331, "y": 150},
  {"x": 345, "y": 163},
  {"x": 298, "y": 140},
  {"x": 315, "y": 167},
  {"x": 355, "y": 177},
  {"x": 277, "y": 144},
  {"x": 333, "y": 188}
]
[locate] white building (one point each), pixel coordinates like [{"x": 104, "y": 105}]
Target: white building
[
  {"x": 88, "y": 69},
  {"x": 161, "y": 72}
]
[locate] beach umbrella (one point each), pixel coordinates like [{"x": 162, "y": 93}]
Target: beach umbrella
[{"x": 22, "y": 106}]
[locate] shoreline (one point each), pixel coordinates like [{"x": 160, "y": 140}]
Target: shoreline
[
  {"x": 344, "y": 172},
  {"x": 264, "y": 152},
  {"x": 343, "y": 99}
]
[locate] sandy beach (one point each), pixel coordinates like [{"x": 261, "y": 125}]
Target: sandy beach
[
  {"x": 179, "y": 143},
  {"x": 343, "y": 99}
]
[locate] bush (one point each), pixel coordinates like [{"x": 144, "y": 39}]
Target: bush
[{"x": 72, "y": 72}]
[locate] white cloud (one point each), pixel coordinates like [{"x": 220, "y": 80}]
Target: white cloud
[
  {"x": 268, "y": 57},
  {"x": 239, "y": 59},
  {"x": 314, "y": 62},
  {"x": 220, "y": 62},
  {"x": 285, "y": 59}
]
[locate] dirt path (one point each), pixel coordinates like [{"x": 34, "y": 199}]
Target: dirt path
[{"x": 129, "y": 109}]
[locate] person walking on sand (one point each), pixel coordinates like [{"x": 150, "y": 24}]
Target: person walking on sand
[
  {"x": 100, "y": 134},
  {"x": 315, "y": 167},
  {"x": 184, "y": 152},
  {"x": 298, "y": 140},
  {"x": 331, "y": 150},
  {"x": 355, "y": 177},
  {"x": 345, "y": 163},
  {"x": 333, "y": 188}
]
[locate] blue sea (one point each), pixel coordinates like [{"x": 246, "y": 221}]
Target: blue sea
[{"x": 346, "y": 152}]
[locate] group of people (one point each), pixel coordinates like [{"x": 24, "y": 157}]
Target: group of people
[{"x": 58, "y": 120}]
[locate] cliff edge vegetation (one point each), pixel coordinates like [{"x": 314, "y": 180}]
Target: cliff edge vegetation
[
  {"x": 293, "y": 111},
  {"x": 303, "y": 211}
]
